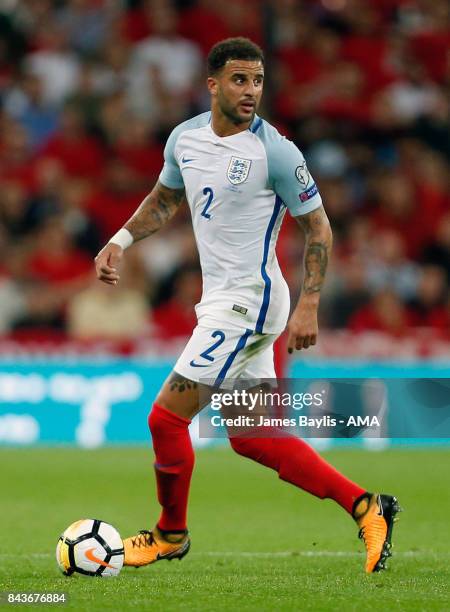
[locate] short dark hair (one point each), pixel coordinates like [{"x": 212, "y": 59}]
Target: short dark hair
[{"x": 238, "y": 48}]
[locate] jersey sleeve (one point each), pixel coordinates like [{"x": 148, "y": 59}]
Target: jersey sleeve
[
  {"x": 290, "y": 179},
  {"x": 170, "y": 174}
]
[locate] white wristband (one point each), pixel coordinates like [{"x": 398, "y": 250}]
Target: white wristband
[{"x": 123, "y": 238}]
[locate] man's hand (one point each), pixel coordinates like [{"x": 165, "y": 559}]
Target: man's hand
[
  {"x": 302, "y": 327},
  {"x": 107, "y": 263},
  {"x": 153, "y": 213}
]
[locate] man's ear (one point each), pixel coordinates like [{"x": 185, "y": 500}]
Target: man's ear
[{"x": 212, "y": 85}]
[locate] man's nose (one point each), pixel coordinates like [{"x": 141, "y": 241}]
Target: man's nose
[{"x": 251, "y": 89}]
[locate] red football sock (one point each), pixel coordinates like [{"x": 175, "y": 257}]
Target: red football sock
[
  {"x": 298, "y": 463},
  {"x": 174, "y": 462}
]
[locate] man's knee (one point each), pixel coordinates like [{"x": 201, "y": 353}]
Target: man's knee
[
  {"x": 179, "y": 396},
  {"x": 154, "y": 421},
  {"x": 162, "y": 420}
]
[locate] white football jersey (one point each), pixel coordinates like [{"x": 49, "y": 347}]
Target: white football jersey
[{"x": 238, "y": 188}]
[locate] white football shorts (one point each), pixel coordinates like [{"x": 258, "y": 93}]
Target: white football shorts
[{"x": 215, "y": 357}]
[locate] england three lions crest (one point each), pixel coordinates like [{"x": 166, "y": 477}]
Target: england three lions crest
[{"x": 238, "y": 170}]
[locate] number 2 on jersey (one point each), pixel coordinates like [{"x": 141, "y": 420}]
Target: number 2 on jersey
[{"x": 207, "y": 191}]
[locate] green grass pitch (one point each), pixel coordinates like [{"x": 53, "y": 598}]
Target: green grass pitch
[{"x": 257, "y": 543}]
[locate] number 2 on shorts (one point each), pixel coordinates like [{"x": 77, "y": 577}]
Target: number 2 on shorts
[
  {"x": 206, "y": 354},
  {"x": 217, "y": 334}
]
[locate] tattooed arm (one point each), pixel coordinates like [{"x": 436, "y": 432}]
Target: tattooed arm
[
  {"x": 317, "y": 250},
  {"x": 302, "y": 326},
  {"x": 153, "y": 213}
]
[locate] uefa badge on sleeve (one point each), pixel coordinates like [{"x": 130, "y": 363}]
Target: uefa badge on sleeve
[{"x": 302, "y": 174}]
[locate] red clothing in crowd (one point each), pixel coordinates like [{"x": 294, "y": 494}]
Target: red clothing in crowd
[
  {"x": 368, "y": 319},
  {"x": 81, "y": 157},
  {"x": 65, "y": 267},
  {"x": 432, "y": 49},
  {"x": 439, "y": 319},
  {"x": 146, "y": 161},
  {"x": 203, "y": 26},
  {"x": 369, "y": 53},
  {"x": 174, "y": 321},
  {"x": 135, "y": 25},
  {"x": 415, "y": 229},
  {"x": 111, "y": 209},
  {"x": 23, "y": 173}
]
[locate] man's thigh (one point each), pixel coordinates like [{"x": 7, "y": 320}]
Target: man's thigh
[
  {"x": 180, "y": 395},
  {"x": 215, "y": 358}
]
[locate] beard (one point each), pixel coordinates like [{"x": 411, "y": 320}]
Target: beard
[{"x": 232, "y": 113}]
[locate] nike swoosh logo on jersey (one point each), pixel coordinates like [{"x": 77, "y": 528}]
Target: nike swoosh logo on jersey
[
  {"x": 185, "y": 160},
  {"x": 198, "y": 365}
]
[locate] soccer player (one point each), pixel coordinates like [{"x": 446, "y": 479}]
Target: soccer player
[{"x": 239, "y": 176}]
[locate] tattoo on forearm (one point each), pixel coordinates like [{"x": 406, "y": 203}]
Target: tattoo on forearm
[
  {"x": 180, "y": 384},
  {"x": 317, "y": 249},
  {"x": 316, "y": 262},
  {"x": 155, "y": 211}
]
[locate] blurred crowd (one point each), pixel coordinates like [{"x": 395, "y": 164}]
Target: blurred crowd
[{"x": 90, "y": 90}]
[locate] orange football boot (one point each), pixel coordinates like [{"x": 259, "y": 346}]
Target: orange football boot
[
  {"x": 375, "y": 516},
  {"x": 150, "y": 546}
]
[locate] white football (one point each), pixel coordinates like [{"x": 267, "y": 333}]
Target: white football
[{"x": 90, "y": 547}]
